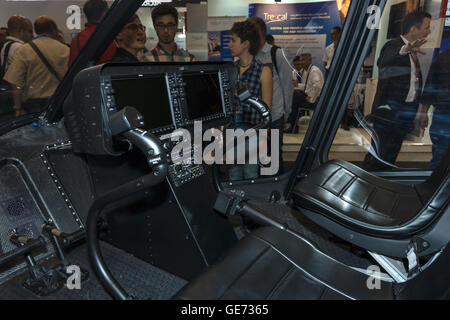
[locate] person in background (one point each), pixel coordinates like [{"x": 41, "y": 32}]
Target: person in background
[
  {"x": 308, "y": 82},
  {"x": 37, "y": 68},
  {"x": 165, "y": 21},
  {"x": 254, "y": 76},
  {"x": 95, "y": 11},
  {"x": 130, "y": 41},
  {"x": 3, "y": 35},
  {"x": 270, "y": 39},
  {"x": 61, "y": 37},
  {"x": 282, "y": 82},
  {"x": 335, "y": 35},
  {"x": 398, "y": 92},
  {"x": 437, "y": 93},
  {"x": 20, "y": 31}
]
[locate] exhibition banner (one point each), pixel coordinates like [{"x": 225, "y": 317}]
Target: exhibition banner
[
  {"x": 300, "y": 27},
  {"x": 219, "y": 37},
  {"x": 218, "y": 46}
]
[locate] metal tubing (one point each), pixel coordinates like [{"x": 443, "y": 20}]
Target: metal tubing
[
  {"x": 22, "y": 251},
  {"x": 95, "y": 256}
]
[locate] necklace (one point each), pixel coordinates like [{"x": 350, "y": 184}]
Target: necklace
[{"x": 245, "y": 66}]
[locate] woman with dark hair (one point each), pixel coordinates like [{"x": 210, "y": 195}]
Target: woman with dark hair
[
  {"x": 130, "y": 41},
  {"x": 254, "y": 76}
]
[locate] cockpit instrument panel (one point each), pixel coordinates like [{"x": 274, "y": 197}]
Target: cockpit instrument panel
[
  {"x": 149, "y": 95},
  {"x": 168, "y": 96}
]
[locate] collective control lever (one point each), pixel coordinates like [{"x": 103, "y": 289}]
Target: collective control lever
[{"x": 127, "y": 123}]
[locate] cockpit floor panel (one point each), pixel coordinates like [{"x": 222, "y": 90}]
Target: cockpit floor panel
[{"x": 138, "y": 278}]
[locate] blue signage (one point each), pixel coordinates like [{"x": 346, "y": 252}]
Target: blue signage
[
  {"x": 225, "y": 53},
  {"x": 298, "y": 18}
]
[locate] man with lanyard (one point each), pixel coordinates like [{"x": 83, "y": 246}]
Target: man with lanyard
[
  {"x": 20, "y": 30},
  {"x": 307, "y": 90},
  {"x": 37, "y": 68},
  {"x": 282, "y": 82},
  {"x": 95, "y": 11},
  {"x": 165, "y": 21}
]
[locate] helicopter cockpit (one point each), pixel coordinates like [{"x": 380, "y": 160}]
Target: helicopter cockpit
[{"x": 115, "y": 191}]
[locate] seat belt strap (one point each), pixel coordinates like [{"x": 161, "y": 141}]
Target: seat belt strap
[{"x": 416, "y": 246}]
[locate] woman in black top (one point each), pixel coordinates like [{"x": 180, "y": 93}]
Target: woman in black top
[{"x": 130, "y": 41}]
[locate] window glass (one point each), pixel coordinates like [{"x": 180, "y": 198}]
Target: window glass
[
  {"x": 59, "y": 30},
  {"x": 40, "y": 40},
  {"x": 398, "y": 114}
]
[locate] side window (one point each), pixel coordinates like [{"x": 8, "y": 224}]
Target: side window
[
  {"x": 36, "y": 53},
  {"x": 398, "y": 116}
]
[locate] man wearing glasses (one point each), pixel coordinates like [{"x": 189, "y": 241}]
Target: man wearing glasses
[
  {"x": 165, "y": 21},
  {"x": 130, "y": 41}
]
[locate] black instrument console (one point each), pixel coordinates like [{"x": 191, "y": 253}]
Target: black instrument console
[{"x": 168, "y": 95}]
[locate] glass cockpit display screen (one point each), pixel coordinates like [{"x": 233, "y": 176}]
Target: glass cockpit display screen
[
  {"x": 203, "y": 95},
  {"x": 148, "y": 95}
]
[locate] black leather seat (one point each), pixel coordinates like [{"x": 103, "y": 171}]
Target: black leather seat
[
  {"x": 275, "y": 264},
  {"x": 361, "y": 207}
]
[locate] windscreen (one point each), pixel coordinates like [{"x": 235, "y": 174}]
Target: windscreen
[
  {"x": 149, "y": 96},
  {"x": 203, "y": 95}
]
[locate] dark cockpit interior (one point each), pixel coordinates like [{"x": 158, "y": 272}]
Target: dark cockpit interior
[{"x": 114, "y": 200}]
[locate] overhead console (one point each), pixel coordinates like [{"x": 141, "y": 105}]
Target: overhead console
[{"x": 167, "y": 95}]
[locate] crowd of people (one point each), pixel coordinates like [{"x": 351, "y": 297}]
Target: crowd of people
[
  {"x": 34, "y": 59},
  {"x": 32, "y": 66}
]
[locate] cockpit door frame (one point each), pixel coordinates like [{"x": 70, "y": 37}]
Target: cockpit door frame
[
  {"x": 353, "y": 47},
  {"x": 119, "y": 13}
]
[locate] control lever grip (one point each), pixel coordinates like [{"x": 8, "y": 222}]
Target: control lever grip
[
  {"x": 257, "y": 104},
  {"x": 233, "y": 202},
  {"x": 150, "y": 146},
  {"x": 127, "y": 122},
  {"x": 228, "y": 202},
  {"x": 264, "y": 110},
  {"x": 243, "y": 94}
]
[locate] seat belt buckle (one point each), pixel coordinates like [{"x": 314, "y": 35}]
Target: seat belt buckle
[
  {"x": 416, "y": 246},
  {"x": 413, "y": 260}
]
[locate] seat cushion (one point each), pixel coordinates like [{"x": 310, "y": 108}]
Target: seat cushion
[
  {"x": 350, "y": 195},
  {"x": 275, "y": 264}
]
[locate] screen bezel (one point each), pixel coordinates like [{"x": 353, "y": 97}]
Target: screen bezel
[
  {"x": 223, "y": 112},
  {"x": 163, "y": 76}
]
